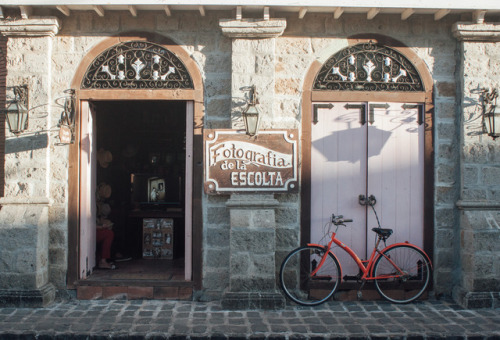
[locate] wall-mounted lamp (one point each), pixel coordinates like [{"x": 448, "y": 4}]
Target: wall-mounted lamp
[
  {"x": 251, "y": 115},
  {"x": 491, "y": 113},
  {"x": 67, "y": 122},
  {"x": 16, "y": 111}
]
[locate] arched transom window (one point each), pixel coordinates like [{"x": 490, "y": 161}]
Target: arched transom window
[
  {"x": 137, "y": 65},
  {"x": 368, "y": 67}
]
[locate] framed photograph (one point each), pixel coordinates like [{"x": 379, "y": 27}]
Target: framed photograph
[
  {"x": 158, "y": 238},
  {"x": 156, "y": 189}
]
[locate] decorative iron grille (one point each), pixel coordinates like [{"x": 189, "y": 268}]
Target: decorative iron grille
[
  {"x": 137, "y": 65},
  {"x": 368, "y": 67}
]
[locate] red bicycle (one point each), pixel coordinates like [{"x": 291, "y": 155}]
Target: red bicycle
[{"x": 311, "y": 274}]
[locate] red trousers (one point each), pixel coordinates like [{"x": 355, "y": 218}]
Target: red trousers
[{"x": 105, "y": 238}]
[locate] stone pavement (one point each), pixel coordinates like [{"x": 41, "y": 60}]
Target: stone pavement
[{"x": 154, "y": 319}]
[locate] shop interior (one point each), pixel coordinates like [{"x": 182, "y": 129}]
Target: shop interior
[{"x": 140, "y": 177}]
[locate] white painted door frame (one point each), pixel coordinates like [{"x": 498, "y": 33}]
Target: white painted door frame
[
  {"x": 188, "y": 201},
  {"x": 88, "y": 207}
]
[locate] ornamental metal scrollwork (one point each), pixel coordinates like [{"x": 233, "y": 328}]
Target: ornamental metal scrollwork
[
  {"x": 368, "y": 67},
  {"x": 137, "y": 65}
]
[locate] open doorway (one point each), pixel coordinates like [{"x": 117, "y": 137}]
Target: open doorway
[{"x": 141, "y": 187}]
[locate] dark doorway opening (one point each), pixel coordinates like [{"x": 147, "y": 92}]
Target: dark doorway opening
[{"x": 141, "y": 170}]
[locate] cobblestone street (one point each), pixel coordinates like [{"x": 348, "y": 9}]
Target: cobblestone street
[{"x": 153, "y": 319}]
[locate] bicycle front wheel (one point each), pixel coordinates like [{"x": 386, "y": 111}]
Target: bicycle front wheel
[
  {"x": 300, "y": 285},
  {"x": 402, "y": 273}
]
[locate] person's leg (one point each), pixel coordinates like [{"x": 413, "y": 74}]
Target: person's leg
[{"x": 105, "y": 238}]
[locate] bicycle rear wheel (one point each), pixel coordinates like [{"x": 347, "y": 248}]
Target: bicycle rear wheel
[
  {"x": 297, "y": 282},
  {"x": 402, "y": 273}
]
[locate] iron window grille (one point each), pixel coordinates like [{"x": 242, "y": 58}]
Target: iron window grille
[{"x": 137, "y": 65}]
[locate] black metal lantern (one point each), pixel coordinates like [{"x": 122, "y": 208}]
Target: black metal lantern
[
  {"x": 67, "y": 121},
  {"x": 491, "y": 113},
  {"x": 492, "y": 122},
  {"x": 251, "y": 115},
  {"x": 16, "y": 111}
]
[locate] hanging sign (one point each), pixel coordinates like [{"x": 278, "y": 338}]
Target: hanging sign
[
  {"x": 236, "y": 162},
  {"x": 65, "y": 134}
]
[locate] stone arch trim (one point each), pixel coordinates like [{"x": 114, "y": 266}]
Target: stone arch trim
[
  {"x": 194, "y": 94},
  {"x": 425, "y": 97}
]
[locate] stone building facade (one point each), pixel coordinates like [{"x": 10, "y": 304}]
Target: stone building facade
[{"x": 239, "y": 240}]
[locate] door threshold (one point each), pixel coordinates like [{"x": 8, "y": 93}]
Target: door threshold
[
  {"x": 134, "y": 289},
  {"x": 138, "y": 279},
  {"x": 134, "y": 282}
]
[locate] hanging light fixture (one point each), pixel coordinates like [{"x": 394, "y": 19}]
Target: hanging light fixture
[
  {"x": 67, "y": 121},
  {"x": 251, "y": 114},
  {"x": 16, "y": 111},
  {"x": 491, "y": 113}
]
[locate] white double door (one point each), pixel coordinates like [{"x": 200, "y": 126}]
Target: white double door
[{"x": 367, "y": 149}]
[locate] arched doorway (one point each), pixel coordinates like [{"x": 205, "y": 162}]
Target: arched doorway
[
  {"x": 367, "y": 130},
  {"x": 138, "y": 130}
]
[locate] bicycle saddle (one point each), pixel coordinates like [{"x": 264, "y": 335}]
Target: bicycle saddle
[{"x": 383, "y": 232}]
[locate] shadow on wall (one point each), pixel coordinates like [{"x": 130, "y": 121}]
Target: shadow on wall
[{"x": 28, "y": 143}]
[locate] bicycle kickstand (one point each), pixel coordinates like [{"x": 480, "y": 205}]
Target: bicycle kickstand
[{"x": 359, "y": 293}]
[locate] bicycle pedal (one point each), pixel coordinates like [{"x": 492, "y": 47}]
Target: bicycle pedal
[{"x": 359, "y": 294}]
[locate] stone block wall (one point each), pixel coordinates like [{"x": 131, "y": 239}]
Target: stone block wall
[
  {"x": 23, "y": 254},
  {"x": 216, "y": 239},
  {"x": 252, "y": 243},
  {"x": 27, "y": 157},
  {"x": 24, "y": 216},
  {"x": 480, "y": 169},
  {"x": 278, "y": 68}
]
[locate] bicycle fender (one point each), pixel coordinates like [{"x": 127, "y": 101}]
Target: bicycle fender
[
  {"x": 335, "y": 256},
  {"x": 408, "y": 245}
]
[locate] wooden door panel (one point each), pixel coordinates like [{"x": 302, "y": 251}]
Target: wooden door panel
[
  {"x": 395, "y": 172},
  {"x": 188, "y": 194},
  {"x": 87, "y": 190},
  {"x": 382, "y": 157},
  {"x": 338, "y": 176}
]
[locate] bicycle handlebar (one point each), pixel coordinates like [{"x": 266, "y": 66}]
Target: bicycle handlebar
[{"x": 340, "y": 219}]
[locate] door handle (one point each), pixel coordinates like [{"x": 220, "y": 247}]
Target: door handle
[
  {"x": 362, "y": 200},
  {"x": 370, "y": 200}
]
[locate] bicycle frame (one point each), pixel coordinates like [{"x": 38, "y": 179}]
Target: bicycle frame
[
  {"x": 365, "y": 269},
  {"x": 405, "y": 269}
]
